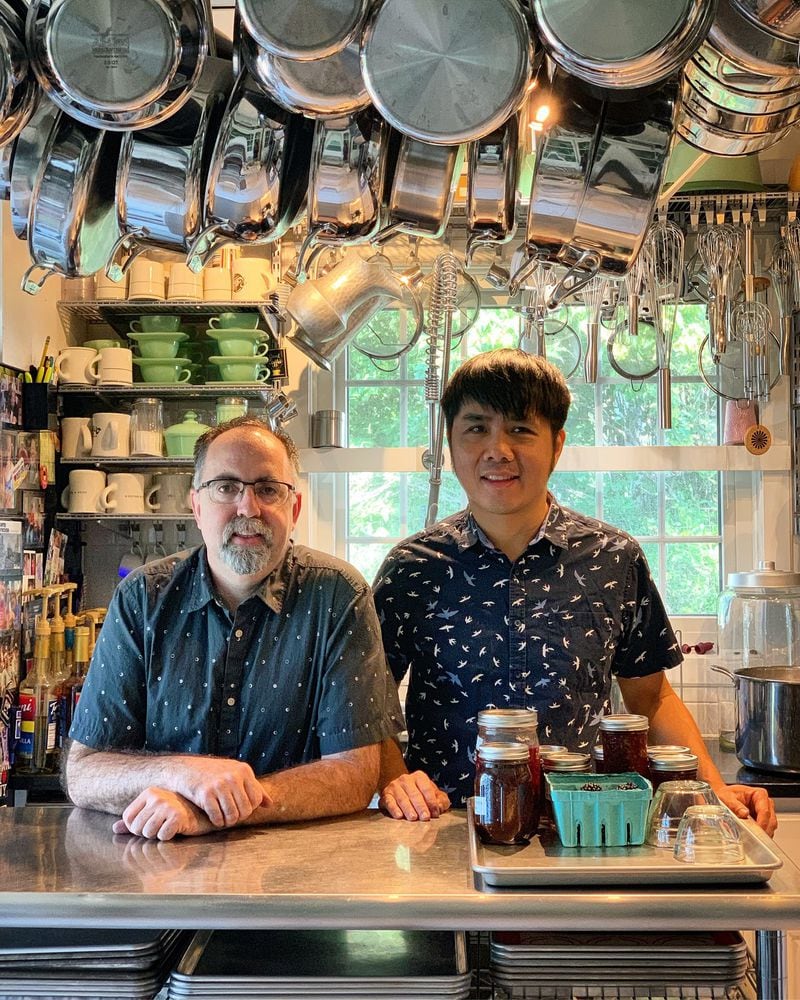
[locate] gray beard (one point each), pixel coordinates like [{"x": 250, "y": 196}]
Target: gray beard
[{"x": 246, "y": 561}]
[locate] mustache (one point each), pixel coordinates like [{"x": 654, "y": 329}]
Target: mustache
[{"x": 241, "y": 525}]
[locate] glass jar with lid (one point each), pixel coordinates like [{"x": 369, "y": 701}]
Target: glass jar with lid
[
  {"x": 624, "y": 741},
  {"x": 562, "y": 763},
  {"x": 672, "y": 767},
  {"x": 506, "y": 809},
  {"x": 512, "y": 725}
]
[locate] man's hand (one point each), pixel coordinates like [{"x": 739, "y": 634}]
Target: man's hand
[
  {"x": 413, "y": 797},
  {"x": 744, "y": 801},
  {"x": 227, "y": 791},
  {"x": 159, "y": 814}
]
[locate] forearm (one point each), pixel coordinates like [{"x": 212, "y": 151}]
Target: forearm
[
  {"x": 392, "y": 762},
  {"x": 333, "y": 786},
  {"x": 671, "y": 722}
]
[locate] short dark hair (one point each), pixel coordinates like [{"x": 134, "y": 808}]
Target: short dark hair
[
  {"x": 511, "y": 382},
  {"x": 203, "y": 443}
]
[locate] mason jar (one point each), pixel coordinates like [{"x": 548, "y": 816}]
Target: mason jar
[{"x": 506, "y": 809}]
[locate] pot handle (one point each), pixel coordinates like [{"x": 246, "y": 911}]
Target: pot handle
[
  {"x": 33, "y": 285},
  {"x": 130, "y": 244},
  {"x": 579, "y": 274},
  {"x": 483, "y": 238},
  {"x": 205, "y": 246},
  {"x": 325, "y": 234},
  {"x": 723, "y": 670}
]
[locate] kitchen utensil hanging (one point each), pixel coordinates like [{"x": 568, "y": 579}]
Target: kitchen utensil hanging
[
  {"x": 122, "y": 64},
  {"x": 724, "y": 374},
  {"x": 781, "y": 271},
  {"x": 303, "y": 30},
  {"x": 73, "y": 225},
  {"x": 781, "y": 19},
  {"x": 616, "y": 50},
  {"x": 6, "y": 161},
  {"x": 558, "y": 343},
  {"x": 751, "y": 327},
  {"x": 31, "y": 144},
  {"x": 328, "y": 87},
  {"x": 593, "y": 296},
  {"x": 492, "y": 173},
  {"x": 718, "y": 247},
  {"x": 747, "y": 100},
  {"x": 162, "y": 173},
  {"x": 258, "y": 177},
  {"x": 18, "y": 88},
  {"x": 447, "y": 73},
  {"x": 749, "y": 45}
]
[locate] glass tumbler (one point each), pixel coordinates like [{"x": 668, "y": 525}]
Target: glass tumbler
[
  {"x": 708, "y": 835},
  {"x": 147, "y": 427},
  {"x": 670, "y": 802}
]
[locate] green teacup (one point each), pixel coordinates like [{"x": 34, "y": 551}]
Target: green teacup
[
  {"x": 243, "y": 369},
  {"x": 163, "y": 369},
  {"x": 240, "y": 343},
  {"x": 231, "y": 320},
  {"x": 159, "y": 345},
  {"x": 157, "y": 323},
  {"x": 98, "y": 345}
]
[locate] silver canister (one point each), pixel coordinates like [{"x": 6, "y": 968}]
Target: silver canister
[{"x": 327, "y": 429}]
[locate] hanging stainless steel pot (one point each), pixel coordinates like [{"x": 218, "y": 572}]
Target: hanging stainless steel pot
[
  {"x": 119, "y": 64},
  {"x": 447, "y": 72},
  {"x": 346, "y": 182},
  {"x": 719, "y": 142},
  {"x": 622, "y": 47},
  {"x": 724, "y": 95},
  {"x": 257, "y": 181},
  {"x": 738, "y": 122},
  {"x": 492, "y": 187},
  {"x": 18, "y": 88},
  {"x": 73, "y": 223},
  {"x": 730, "y": 73},
  {"x": 33, "y": 140},
  {"x": 6, "y": 162},
  {"x": 750, "y": 45},
  {"x": 781, "y": 19},
  {"x": 303, "y": 29},
  {"x": 423, "y": 187},
  {"x": 162, "y": 173},
  {"x": 328, "y": 87}
]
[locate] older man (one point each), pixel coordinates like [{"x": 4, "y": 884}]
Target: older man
[{"x": 242, "y": 682}]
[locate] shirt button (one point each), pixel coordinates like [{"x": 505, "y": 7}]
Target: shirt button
[
  {"x": 238, "y": 633},
  {"x": 231, "y": 702}
]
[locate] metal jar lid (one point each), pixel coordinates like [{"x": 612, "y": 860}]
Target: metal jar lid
[
  {"x": 507, "y": 718},
  {"x": 567, "y": 762},
  {"x": 766, "y": 577},
  {"x": 676, "y": 762},
  {"x": 623, "y": 723},
  {"x": 504, "y": 752},
  {"x": 666, "y": 750},
  {"x": 597, "y": 751},
  {"x": 551, "y": 750}
]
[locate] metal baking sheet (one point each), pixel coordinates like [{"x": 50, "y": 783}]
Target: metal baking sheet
[{"x": 545, "y": 862}]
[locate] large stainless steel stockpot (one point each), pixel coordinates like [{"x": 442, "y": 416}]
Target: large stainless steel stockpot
[
  {"x": 258, "y": 177},
  {"x": 749, "y": 44},
  {"x": 768, "y": 717},
  {"x": 119, "y": 64},
  {"x": 731, "y": 74},
  {"x": 162, "y": 173},
  {"x": 73, "y": 224}
]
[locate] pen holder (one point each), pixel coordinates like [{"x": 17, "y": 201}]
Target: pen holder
[{"x": 35, "y": 406}]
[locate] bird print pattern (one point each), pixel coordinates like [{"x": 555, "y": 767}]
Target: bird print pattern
[{"x": 547, "y": 632}]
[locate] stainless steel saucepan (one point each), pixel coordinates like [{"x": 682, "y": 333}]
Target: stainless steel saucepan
[
  {"x": 303, "y": 29},
  {"x": 257, "y": 181},
  {"x": 740, "y": 101},
  {"x": 73, "y": 223},
  {"x": 712, "y": 139},
  {"x": 781, "y": 18},
  {"x": 742, "y": 123},
  {"x": 162, "y": 173},
  {"x": 18, "y": 88},
  {"x": 492, "y": 173},
  {"x": 119, "y": 64},
  {"x": 28, "y": 156},
  {"x": 749, "y": 44}
]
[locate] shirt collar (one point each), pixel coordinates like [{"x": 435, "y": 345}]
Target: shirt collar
[
  {"x": 272, "y": 591},
  {"x": 553, "y": 528}
]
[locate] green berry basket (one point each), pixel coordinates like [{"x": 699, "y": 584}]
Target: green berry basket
[{"x": 604, "y": 817}]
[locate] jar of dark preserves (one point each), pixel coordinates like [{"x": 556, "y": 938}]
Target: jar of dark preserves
[
  {"x": 513, "y": 725},
  {"x": 673, "y": 767},
  {"x": 597, "y": 758},
  {"x": 506, "y": 809},
  {"x": 624, "y": 740},
  {"x": 666, "y": 749},
  {"x": 562, "y": 763}
]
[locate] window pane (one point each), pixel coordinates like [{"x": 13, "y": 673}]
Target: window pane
[
  {"x": 418, "y": 419},
  {"x": 373, "y": 507},
  {"x": 691, "y": 503},
  {"x": 693, "y": 578},
  {"x": 362, "y": 368},
  {"x": 577, "y": 490},
  {"x": 694, "y": 415},
  {"x": 451, "y": 498},
  {"x": 629, "y": 415},
  {"x": 581, "y": 425},
  {"x": 630, "y": 501},
  {"x": 373, "y": 417},
  {"x": 690, "y": 329},
  {"x": 367, "y": 559}
]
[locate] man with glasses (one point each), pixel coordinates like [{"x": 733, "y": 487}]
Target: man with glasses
[{"x": 241, "y": 682}]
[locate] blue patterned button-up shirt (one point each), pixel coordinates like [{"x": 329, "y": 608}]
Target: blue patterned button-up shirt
[
  {"x": 296, "y": 673},
  {"x": 549, "y": 631}
]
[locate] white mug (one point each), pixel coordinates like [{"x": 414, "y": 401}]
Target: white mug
[
  {"x": 113, "y": 366},
  {"x": 74, "y": 366},
  {"x": 217, "y": 284},
  {"x": 146, "y": 279},
  {"x": 105, "y": 288},
  {"x": 252, "y": 279},
  {"x": 85, "y": 491},
  {"x": 183, "y": 285},
  {"x": 172, "y": 490},
  {"x": 111, "y": 433},
  {"x": 125, "y": 494},
  {"x": 76, "y": 437}
]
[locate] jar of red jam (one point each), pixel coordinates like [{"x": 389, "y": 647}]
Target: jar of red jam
[
  {"x": 506, "y": 809},
  {"x": 673, "y": 767},
  {"x": 666, "y": 749},
  {"x": 624, "y": 741},
  {"x": 513, "y": 725},
  {"x": 562, "y": 763},
  {"x": 597, "y": 759}
]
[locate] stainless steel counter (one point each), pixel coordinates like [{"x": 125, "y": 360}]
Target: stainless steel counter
[{"x": 61, "y": 866}]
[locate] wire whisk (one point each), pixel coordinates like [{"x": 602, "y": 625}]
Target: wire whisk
[
  {"x": 663, "y": 258},
  {"x": 781, "y": 271},
  {"x": 718, "y": 247},
  {"x": 593, "y": 295}
]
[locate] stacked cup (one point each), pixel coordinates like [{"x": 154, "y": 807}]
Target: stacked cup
[
  {"x": 158, "y": 338},
  {"x": 242, "y": 347}
]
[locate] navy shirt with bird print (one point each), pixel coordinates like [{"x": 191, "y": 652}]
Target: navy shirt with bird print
[{"x": 549, "y": 631}]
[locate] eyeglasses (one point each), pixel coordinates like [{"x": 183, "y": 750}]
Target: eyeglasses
[
  {"x": 268, "y": 492},
  {"x": 701, "y": 647}
]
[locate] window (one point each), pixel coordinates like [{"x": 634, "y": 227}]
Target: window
[{"x": 674, "y": 514}]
